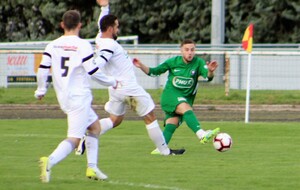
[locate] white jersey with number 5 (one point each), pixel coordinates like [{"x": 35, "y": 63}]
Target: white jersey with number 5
[{"x": 70, "y": 58}]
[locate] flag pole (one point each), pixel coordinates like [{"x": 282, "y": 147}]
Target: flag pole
[
  {"x": 248, "y": 89},
  {"x": 247, "y": 45}
]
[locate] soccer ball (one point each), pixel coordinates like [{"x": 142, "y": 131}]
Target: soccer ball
[{"x": 222, "y": 142}]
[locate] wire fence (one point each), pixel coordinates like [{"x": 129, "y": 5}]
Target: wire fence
[{"x": 274, "y": 67}]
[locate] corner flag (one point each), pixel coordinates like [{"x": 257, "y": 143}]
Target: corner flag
[
  {"x": 247, "y": 45},
  {"x": 248, "y": 39}
]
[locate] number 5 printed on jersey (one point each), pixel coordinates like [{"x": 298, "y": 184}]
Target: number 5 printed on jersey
[{"x": 64, "y": 66}]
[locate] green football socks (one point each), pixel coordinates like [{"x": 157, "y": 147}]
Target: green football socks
[
  {"x": 191, "y": 120},
  {"x": 168, "y": 131}
]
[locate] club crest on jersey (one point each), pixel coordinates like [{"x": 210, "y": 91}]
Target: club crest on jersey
[{"x": 193, "y": 72}]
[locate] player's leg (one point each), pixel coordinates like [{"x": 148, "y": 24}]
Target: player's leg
[
  {"x": 106, "y": 124},
  {"x": 63, "y": 149},
  {"x": 92, "y": 144},
  {"x": 169, "y": 129},
  {"x": 189, "y": 116},
  {"x": 110, "y": 122},
  {"x": 172, "y": 122},
  {"x": 192, "y": 122},
  {"x": 169, "y": 103},
  {"x": 116, "y": 107},
  {"x": 155, "y": 133},
  {"x": 144, "y": 107},
  {"x": 77, "y": 123}
]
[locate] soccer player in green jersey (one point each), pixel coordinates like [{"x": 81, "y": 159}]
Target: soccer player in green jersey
[{"x": 180, "y": 90}]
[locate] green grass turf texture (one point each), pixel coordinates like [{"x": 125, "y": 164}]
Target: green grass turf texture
[
  {"x": 207, "y": 94},
  {"x": 263, "y": 156}
]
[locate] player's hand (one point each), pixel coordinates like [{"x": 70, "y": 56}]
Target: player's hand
[
  {"x": 137, "y": 63},
  {"x": 212, "y": 66},
  {"x": 103, "y": 3},
  {"x": 115, "y": 87}
]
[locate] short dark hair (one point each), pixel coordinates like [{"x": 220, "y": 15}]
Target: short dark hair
[
  {"x": 71, "y": 19},
  {"x": 187, "y": 41},
  {"x": 107, "y": 21}
]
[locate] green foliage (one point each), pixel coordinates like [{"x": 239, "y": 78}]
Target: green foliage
[
  {"x": 275, "y": 21},
  {"x": 40, "y": 20},
  {"x": 152, "y": 22},
  {"x": 195, "y": 21}
]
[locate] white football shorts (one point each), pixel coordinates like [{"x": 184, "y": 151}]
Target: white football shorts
[
  {"x": 138, "y": 99},
  {"x": 80, "y": 119}
]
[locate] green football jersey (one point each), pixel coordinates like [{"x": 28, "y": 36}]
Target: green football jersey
[
  {"x": 182, "y": 82},
  {"x": 182, "y": 78}
]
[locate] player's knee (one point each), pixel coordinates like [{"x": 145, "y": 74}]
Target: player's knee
[
  {"x": 116, "y": 120},
  {"x": 150, "y": 117},
  {"x": 182, "y": 108}
]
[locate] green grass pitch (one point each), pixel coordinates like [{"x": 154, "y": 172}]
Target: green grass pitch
[{"x": 263, "y": 156}]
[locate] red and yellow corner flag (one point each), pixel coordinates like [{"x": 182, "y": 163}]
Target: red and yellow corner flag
[{"x": 248, "y": 39}]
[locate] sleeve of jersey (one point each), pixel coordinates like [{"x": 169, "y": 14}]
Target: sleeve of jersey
[
  {"x": 96, "y": 73},
  {"x": 104, "y": 55},
  {"x": 103, "y": 79},
  {"x": 156, "y": 71},
  {"x": 42, "y": 74},
  {"x": 203, "y": 70}
]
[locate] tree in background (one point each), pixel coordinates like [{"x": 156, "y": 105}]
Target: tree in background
[
  {"x": 151, "y": 21},
  {"x": 275, "y": 21},
  {"x": 23, "y": 20},
  {"x": 195, "y": 22},
  {"x": 164, "y": 21}
]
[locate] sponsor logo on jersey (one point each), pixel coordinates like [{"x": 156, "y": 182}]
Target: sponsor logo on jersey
[
  {"x": 67, "y": 48},
  {"x": 183, "y": 82}
]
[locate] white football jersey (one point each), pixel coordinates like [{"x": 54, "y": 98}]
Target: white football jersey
[
  {"x": 113, "y": 59},
  {"x": 118, "y": 63},
  {"x": 70, "y": 59}
]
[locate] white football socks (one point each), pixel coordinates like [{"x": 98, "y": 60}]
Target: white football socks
[
  {"x": 106, "y": 125},
  {"x": 157, "y": 137},
  {"x": 61, "y": 152},
  {"x": 91, "y": 143},
  {"x": 200, "y": 133}
]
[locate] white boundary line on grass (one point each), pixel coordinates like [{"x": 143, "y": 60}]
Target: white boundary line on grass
[
  {"x": 32, "y": 135},
  {"x": 150, "y": 186},
  {"x": 113, "y": 182}
]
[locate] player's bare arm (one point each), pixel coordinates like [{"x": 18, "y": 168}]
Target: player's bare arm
[
  {"x": 140, "y": 65},
  {"x": 212, "y": 66}
]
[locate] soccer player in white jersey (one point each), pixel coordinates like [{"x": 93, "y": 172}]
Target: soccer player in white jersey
[
  {"x": 114, "y": 61},
  {"x": 71, "y": 61}
]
